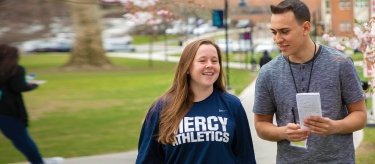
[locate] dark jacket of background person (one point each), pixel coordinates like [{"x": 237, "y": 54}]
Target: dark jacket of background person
[
  {"x": 265, "y": 58},
  {"x": 11, "y": 101}
]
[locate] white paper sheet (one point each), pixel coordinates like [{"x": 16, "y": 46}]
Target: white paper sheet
[{"x": 308, "y": 104}]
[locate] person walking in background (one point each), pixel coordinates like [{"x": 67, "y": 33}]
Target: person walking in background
[
  {"x": 265, "y": 58},
  {"x": 13, "y": 114},
  {"x": 196, "y": 120},
  {"x": 305, "y": 67},
  {"x": 253, "y": 64}
]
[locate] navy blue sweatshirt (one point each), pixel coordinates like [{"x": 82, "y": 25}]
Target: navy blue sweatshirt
[
  {"x": 215, "y": 130},
  {"x": 11, "y": 101}
]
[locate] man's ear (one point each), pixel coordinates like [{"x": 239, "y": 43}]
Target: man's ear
[{"x": 306, "y": 28}]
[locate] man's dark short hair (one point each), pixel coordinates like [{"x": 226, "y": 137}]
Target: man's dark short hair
[{"x": 299, "y": 9}]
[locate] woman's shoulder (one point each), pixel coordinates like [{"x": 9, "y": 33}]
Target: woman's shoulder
[
  {"x": 15, "y": 74},
  {"x": 20, "y": 69},
  {"x": 233, "y": 103},
  {"x": 157, "y": 105},
  {"x": 230, "y": 98},
  {"x": 155, "y": 109}
]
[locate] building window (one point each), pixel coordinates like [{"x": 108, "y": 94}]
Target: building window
[
  {"x": 328, "y": 6},
  {"x": 345, "y": 4},
  {"x": 361, "y": 3},
  {"x": 345, "y": 26}
]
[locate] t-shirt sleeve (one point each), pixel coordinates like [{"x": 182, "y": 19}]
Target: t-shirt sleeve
[
  {"x": 242, "y": 143},
  {"x": 350, "y": 83},
  {"x": 263, "y": 103},
  {"x": 149, "y": 150}
]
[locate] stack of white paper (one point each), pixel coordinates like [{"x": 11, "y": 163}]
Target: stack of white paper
[{"x": 308, "y": 104}]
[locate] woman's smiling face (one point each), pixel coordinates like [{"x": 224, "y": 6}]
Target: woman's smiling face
[{"x": 205, "y": 69}]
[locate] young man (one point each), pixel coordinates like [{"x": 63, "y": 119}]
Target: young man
[{"x": 304, "y": 67}]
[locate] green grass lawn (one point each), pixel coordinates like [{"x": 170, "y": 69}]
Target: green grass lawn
[
  {"x": 365, "y": 154},
  {"x": 93, "y": 112}
]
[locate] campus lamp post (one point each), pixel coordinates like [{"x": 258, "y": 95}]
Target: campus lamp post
[
  {"x": 242, "y": 3},
  {"x": 166, "y": 19},
  {"x": 247, "y": 34},
  {"x": 165, "y": 41},
  {"x": 226, "y": 42}
]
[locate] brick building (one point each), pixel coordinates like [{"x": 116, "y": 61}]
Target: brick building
[
  {"x": 255, "y": 10},
  {"x": 341, "y": 15},
  {"x": 337, "y": 17}
]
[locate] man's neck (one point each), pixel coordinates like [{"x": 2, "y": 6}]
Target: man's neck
[{"x": 305, "y": 54}]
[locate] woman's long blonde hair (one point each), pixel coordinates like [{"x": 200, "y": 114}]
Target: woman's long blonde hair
[{"x": 179, "y": 98}]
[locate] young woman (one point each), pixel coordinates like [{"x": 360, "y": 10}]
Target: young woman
[
  {"x": 13, "y": 114},
  {"x": 196, "y": 121}
]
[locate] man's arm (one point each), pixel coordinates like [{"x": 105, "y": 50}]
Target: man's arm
[
  {"x": 268, "y": 131},
  {"x": 355, "y": 120}
]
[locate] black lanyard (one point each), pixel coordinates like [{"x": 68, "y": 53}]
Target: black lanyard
[{"x": 312, "y": 66}]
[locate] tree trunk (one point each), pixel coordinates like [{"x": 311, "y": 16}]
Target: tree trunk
[{"x": 87, "y": 52}]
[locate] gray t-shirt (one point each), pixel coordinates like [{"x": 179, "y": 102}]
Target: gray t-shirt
[{"x": 335, "y": 78}]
